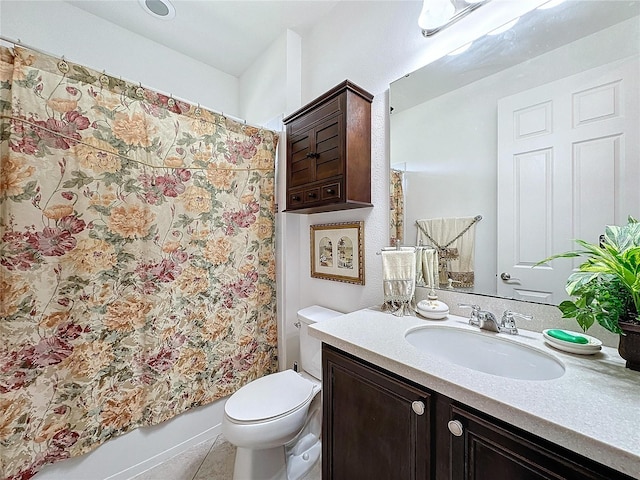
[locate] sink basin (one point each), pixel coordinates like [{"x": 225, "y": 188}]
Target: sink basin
[{"x": 485, "y": 352}]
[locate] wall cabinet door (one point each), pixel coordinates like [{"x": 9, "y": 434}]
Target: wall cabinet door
[
  {"x": 375, "y": 426},
  {"x": 489, "y": 450}
]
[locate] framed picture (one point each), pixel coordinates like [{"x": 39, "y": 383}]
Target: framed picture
[{"x": 337, "y": 252}]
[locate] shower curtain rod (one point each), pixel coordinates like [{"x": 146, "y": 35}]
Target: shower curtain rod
[{"x": 190, "y": 102}]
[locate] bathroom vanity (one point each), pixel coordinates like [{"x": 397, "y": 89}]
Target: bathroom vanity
[{"x": 392, "y": 410}]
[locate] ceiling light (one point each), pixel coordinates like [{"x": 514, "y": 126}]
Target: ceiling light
[
  {"x": 504, "y": 27},
  {"x": 161, "y": 9}
]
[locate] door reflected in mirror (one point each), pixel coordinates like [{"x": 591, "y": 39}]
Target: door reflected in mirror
[{"x": 534, "y": 129}]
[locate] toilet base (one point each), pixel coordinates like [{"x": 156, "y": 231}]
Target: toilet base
[{"x": 265, "y": 464}]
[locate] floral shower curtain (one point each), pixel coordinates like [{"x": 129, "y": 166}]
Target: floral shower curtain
[{"x": 137, "y": 258}]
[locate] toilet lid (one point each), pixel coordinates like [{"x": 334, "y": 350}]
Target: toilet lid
[{"x": 269, "y": 396}]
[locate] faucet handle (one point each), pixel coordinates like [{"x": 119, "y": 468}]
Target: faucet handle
[
  {"x": 508, "y": 323},
  {"x": 475, "y": 310}
]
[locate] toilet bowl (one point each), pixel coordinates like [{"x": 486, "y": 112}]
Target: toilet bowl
[{"x": 275, "y": 421}]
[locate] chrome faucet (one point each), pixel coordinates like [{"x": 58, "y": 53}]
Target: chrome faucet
[{"x": 487, "y": 321}]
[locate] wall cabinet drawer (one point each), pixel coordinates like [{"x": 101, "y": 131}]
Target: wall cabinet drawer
[{"x": 331, "y": 191}]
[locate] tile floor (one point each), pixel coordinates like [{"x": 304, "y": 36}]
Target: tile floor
[{"x": 210, "y": 460}]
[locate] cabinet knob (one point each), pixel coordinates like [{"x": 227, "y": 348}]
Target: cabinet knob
[
  {"x": 295, "y": 198},
  {"x": 330, "y": 191},
  {"x": 418, "y": 407},
  {"x": 312, "y": 195},
  {"x": 455, "y": 427}
]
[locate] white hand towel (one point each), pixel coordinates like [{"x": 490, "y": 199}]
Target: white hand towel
[
  {"x": 398, "y": 279},
  {"x": 430, "y": 267}
]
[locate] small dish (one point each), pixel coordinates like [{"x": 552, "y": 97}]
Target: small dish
[{"x": 590, "y": 348}]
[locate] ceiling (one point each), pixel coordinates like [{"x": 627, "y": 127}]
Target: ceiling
[{"x": 227, "y": 35}]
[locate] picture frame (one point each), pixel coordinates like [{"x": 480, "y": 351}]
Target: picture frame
[{"x": 337, "y": 252}]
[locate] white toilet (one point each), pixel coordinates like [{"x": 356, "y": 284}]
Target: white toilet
[{"x": 275, "y": 421}]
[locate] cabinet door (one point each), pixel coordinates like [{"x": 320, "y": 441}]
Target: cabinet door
[
  {"x": 301, "y": 165},
  {"x": 328, "y": 143},
  {"x": 375, "y": 426},
  {"x": 487, "y": 450},
  {"x": 317, "y": 153}
]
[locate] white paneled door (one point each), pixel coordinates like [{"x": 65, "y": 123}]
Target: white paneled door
[{"x": 568, "y": 164}]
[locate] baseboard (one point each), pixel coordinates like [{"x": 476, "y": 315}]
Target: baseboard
[{"x": 162, "y": 457}]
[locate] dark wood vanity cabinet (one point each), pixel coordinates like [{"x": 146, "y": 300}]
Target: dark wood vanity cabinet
[
  {"x": 490, "y": 449},
  {"x": 329, "y": 152},
  {"x": 372, "y": 429},
  {"x": 375, "y": 426}
]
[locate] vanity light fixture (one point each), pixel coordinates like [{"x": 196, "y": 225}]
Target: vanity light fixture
[
  {"x": 162, "y": 9},
  {"x": 439, "y": 14}
]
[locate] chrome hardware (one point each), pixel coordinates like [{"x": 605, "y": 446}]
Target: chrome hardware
[
  {"x": 418, "y": 407},
  {"x": 482, "y": 319},
  {"x": 455, "y": 427},
  {"x": 508, "y": 322},
  {"x": 507, "y": 277},
  {"x": 297, "y": 324},
  {"x": 473, "y": 318}
]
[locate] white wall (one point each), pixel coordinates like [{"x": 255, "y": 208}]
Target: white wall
[
  {"x": 372, "y": 44},
  {"x": 61, "y": 29}
]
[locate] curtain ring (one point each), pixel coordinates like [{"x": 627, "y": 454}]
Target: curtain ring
[
  {"x": 104, "y": 79},
  {"x": 63, "y": 66},
  {"x": 140, "y": 90},
  {"x": 171, "y": 102}
]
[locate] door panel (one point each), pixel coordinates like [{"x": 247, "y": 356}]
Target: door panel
[{"x": 568, "y": 164}]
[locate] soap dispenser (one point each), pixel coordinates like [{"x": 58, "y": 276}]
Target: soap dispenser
[{"x": 432, "y": 308}]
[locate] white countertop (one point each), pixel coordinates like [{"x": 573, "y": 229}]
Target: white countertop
[{"x": 593, "y": 409}]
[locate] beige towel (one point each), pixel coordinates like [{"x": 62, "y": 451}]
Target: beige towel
[
  {"x": 399, "y": 280},
  {"x": 443, "y": 230}
]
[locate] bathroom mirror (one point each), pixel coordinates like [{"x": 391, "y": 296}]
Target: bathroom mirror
[{"x": 468, "y": 135}]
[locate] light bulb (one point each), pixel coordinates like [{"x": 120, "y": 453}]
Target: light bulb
[{"x": 435, "y": 13}]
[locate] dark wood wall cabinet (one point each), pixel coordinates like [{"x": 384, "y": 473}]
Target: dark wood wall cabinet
[
  {"x": 377, "y": 425},
  {"x": 329, "y": 152}
]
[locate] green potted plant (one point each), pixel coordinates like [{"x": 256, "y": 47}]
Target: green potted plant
[{"x": 606, "y": 287}]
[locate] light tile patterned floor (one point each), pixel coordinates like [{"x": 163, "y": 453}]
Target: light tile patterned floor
[{"x": 210, "y": 460}]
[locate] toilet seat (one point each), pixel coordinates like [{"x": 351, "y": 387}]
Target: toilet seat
[{"x": 269, "y": 398}]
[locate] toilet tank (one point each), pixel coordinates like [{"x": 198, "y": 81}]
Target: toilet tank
[{"x": 310, "y": 347}]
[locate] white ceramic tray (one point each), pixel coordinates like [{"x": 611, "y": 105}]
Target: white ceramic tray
[{"x": 590, "y": 348}]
